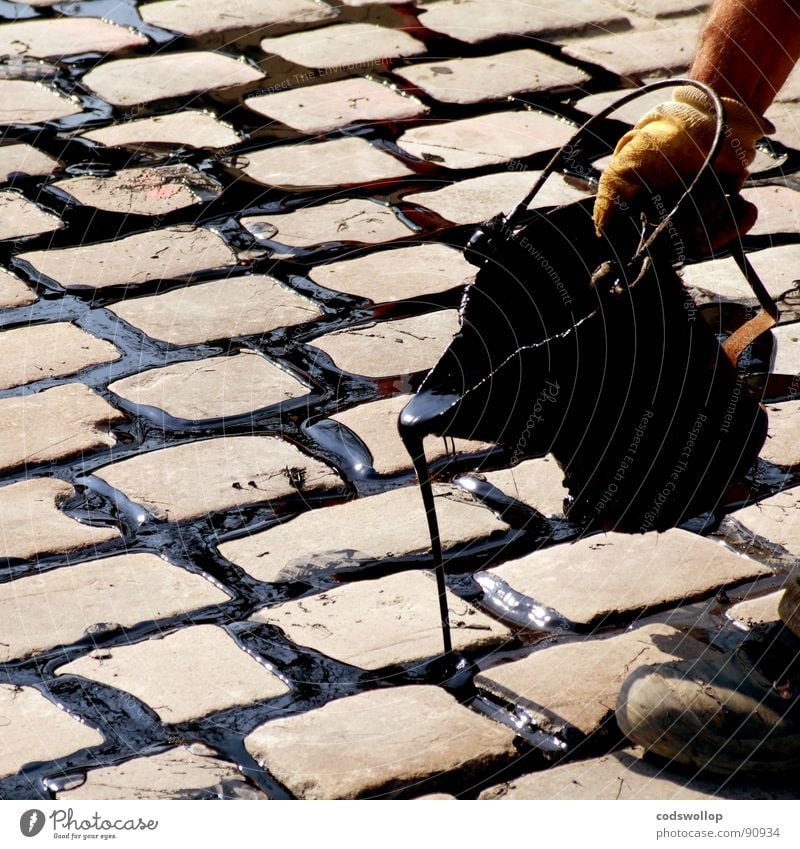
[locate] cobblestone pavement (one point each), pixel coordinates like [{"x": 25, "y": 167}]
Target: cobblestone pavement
[{"x": 230, "y": 250}]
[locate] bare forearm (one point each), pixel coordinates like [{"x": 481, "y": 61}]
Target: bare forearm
[{"x": 748, "y": 48}]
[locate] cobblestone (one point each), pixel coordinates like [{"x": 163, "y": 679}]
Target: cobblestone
[
  {"x": 346, "y": 161},
  {"x": 223, "y": 22},
  {"x": 326, "y": 107},
  {"x": 755, "y": 611},
  {"x": 393, "y": 620},
  {"x": 219, "y": 309},
  {"x": 607, "y": 576},
  {"x": 128, "y": 82},
  {"x": 34, "y": 729},
  {"x": 46, "y": 39},
  {"x": 194, "y": 479},
  {"x": 487, "y": 78},
  {"x": 475, "y": 21},
  {"x": 641, "y": 53},
  {"x": 53, "y": 425},
  {"x": 49, "y": 350},
  {"x": 13, "y": 292},
  {"x": 722, "y": 277},
  {"x": 621, "y": 775},
  {"x": 338, "y": 221},
  {"x": 179, "y": 773},
  {"x": 537, "y": 483},
  {"x": 213, "y": 388},
  {"x": 19, "y": 217},
  {"x": 173, "y": 252},
  {"x": 375, "y": 424},
  {"x": 778, "y": 210},
  {"x": 776, "y": 519},
  {"x": 163, "y": 673},
  {"x": 782, "y": 446},
  {"x": 355, "y": 534},
  {"x": 478, "y": 199},
  {"x": 487, "y": 139},
  {"x": 408, "y": 272},
  {"x": 399, "y": 347},
  {"x": 142, "y": 191},
  {"x": 184, "y": 129},
  {"x": 32, "y": 524},
  {"x": 25, "y": 102},
  {"x": 24, "y": 159},
  {"x": 378, "y": 741},
  {"x": 343, "y": 45},
  {"x": 577, "y": 683},
  {"x": 787, "y": 350},
  {"x": 64, "y": 605}
]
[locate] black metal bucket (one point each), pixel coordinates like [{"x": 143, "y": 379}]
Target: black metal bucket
[{"x": 590, "y": 348}]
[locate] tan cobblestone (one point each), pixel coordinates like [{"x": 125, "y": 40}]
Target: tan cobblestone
[
  {"x": 778, "y": 209},
  {"x": 13, "y": 292},
  {"x": 475, "y": 21},
  {"x": 631, "y": 112},
  {"x": 486, "y": 78},
  {"x": 175, "y": 774},
  {"x": 34, "y": 729},
  {"x": 143, "y": 191},
  {"x": 164, "y": 673},
  {"x": 341, "y": 162},
  {"x": 339, "y": 221},
  {"x": 776, "y": 519},
  {"x": 394, "y": 275},
  {"x": 375, "y": 424},
  {"x": 326, "y": 107},
  {"x": 343, "y": 44},
  {"x": 189, "y": 128},
  {"x": 53, "y": 425},
  {"x": 775, "y": 267},
  {"x": 61, "y": 605},
  {"x": 662, "y": 8},
  {"x": 212, "y": 388},
  {"x": 659, "y": 51},
  {"x": 613, "y": 574},
  {"x": 49, "y": 350},
  {"x": 487, "y": 139},
  {"x": 379, "y": 740},
  {"x": 622, "y": 775},
  {"x": 786, "y": 118},
  {"x": 388, "y": 621},
  {"x": 19, "y": 217},
  {"x": 219, "y": 309},
  {"x": 787, "y": 349},
  {"x": 226, "y": 20},
  {"x": 578, "y": 683},
  {"x": 58, "y": 37},
  {"x": 538, "y": 483},
  {"x": 481, "y": 198},
  {"x": 32, "y": 524},
  {"x": 197, "y": 478},
  {"x": 25, "y": 102},
  {"x": 755, "y": 611},
  {"x": 24, "y": 159},
  {"x": 783, "y": 445},
  {"x": 127, "y": 82},
  {"x": 173, "y": 252},
  {"x": 397, "y": 347},
  {"x": 355, "y": 533}
]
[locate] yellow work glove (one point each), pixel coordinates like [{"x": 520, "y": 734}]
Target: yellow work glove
[{"x": 666, "y": 150}]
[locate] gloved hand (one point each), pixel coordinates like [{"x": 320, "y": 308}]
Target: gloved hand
[{"x": 666, "y": 150}]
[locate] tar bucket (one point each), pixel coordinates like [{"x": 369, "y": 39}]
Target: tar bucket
[{"x": 591, "y": 349}]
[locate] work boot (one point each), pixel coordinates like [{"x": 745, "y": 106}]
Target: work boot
[{"x": 727, "y": 713}]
